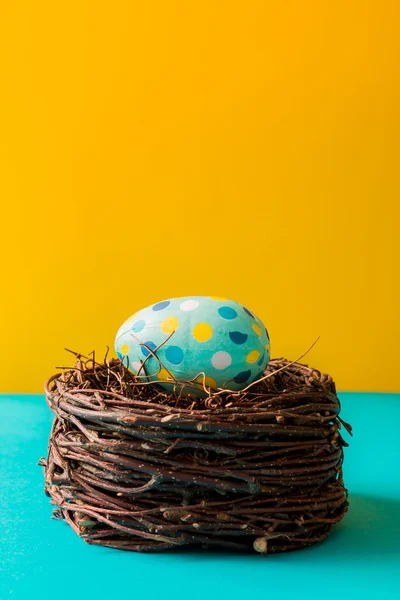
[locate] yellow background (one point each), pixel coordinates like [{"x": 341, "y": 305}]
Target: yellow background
[{"x": 240, "y": 149}]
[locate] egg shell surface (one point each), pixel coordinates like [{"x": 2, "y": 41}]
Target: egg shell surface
[{"x": 199, "y": 334}]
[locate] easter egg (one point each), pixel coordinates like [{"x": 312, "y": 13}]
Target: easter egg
[{"x": 210, "y": 341}]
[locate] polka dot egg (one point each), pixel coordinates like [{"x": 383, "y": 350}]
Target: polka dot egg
[{"x": 212, "y": 341}]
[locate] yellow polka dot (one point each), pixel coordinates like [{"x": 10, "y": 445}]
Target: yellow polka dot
[
  {"x": 164, "y": 374},
  {"x": 253, "y": 356},
  {"x": 169, "y": 325},
  {"x": 267, "y": 347},
  {"x": 202, "y": 332},
  {"x": 209, "y": 382},
  {"x": 217, "y": 298},
  {"x": 257, "y": 329},
  {"x": 125, "y": 348}
]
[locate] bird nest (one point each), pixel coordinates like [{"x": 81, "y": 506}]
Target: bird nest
[{"x": 132, "y": 467}]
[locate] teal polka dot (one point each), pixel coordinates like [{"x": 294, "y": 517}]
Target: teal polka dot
[
  {"x": 249, "y": 312},
  {"x": 161, "y": 305},
  {"x": 242, "y": 376},
  {"x": 146, "y": 346},
  {"x": 138, "y": 326},
  {"x": 174, "y": 355},
  {"x": 226, "y": 312},
  {"x": 260, "y": 362},
  {"x": 237, "y": 337}
]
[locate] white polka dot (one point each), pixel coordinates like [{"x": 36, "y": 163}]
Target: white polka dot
[
  {"x": 135, "y": 366},
  {"x": 221, "y": 360},
  {"x": 189, "y": 305}
]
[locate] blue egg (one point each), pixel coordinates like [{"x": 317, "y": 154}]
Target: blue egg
[{"x": 205, "y": 340}]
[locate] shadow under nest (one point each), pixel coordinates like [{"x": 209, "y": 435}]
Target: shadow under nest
[{"x": 132, "y": 467}]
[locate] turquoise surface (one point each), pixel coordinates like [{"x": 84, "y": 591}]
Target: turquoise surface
[
  {"x": 226, "y": 338},
  {"x": 43, "y": 558}
]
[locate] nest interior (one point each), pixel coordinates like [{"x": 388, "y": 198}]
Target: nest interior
[{"x": 132, "y": 467}]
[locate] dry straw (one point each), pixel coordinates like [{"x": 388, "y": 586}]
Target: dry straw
[{"x": 132, "y": 467}]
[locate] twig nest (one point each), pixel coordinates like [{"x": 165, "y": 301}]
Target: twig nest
[{"x": 133, "y": 467}]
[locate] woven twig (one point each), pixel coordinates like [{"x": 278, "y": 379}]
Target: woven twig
[{"x": 132, "y": 467}]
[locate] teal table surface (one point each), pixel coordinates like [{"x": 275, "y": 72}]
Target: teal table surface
[{"x": 43, "y": 558}]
